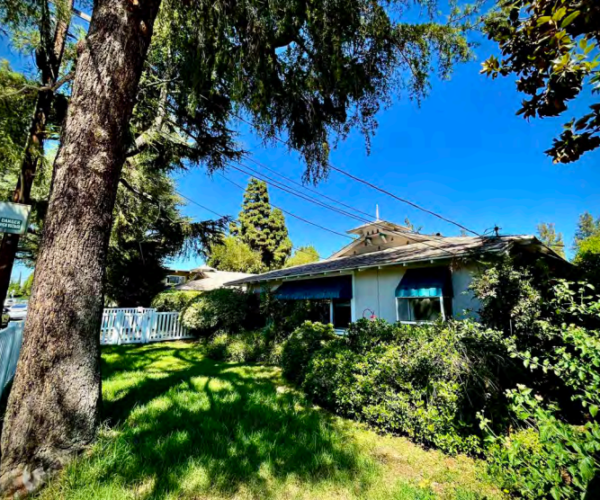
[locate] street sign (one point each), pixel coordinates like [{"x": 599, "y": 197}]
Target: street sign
[{"x": 14, "y": 217}]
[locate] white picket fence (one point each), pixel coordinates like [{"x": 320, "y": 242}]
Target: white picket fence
[
  {"x": 11, "y": 339},
  {"x": 140, "y": 326},
  {"x": 119, "y": 326}
]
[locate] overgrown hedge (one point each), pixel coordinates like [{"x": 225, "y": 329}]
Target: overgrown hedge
[
  {"x": 173, "y": 300},
  {"x": 225, "y": 310},
  {"x": 300, "y": 347},
  {"x": 424, "y": 382}
]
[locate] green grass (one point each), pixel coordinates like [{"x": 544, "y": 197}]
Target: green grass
[{"x": 180, "y": 426}]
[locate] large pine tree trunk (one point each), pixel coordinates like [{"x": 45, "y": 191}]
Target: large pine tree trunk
[
  {"x": 49, "y": 62},
  {"x": 53, "y": 408}
]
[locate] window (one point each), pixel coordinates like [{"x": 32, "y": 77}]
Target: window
[
  {"x": 341, "y": 314},
  {"x": 425, "y": 309},
  {"x": 174, "y": 280}
]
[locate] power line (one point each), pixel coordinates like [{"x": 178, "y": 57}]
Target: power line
[
  {"x": 362, "y": 219},
  {"x": 336, "y": 201},
  {"x": 297, "y": 249},
  {"x": 294, "y": 215},
  {"x": 287, "y": 189},
  {"x": 408, "y": 202},
  {"x": 262, "y": 165},
  {"x": 370, "y": 184},
  {"x": 313, "y": 200}
]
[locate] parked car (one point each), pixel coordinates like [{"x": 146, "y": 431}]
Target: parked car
[{"x": 17, "y": 312}]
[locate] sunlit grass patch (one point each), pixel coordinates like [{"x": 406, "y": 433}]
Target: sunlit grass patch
[{"x": 180, "y": 426}]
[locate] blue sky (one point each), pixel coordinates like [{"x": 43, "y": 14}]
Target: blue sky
[{"x": 463, "y": 153}]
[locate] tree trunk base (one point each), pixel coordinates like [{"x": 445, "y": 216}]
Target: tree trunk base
[{"x": 22, "y": 481}]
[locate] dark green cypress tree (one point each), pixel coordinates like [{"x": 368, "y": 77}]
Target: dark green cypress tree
[
  {"x": 280, "y": 243},
  {"x": 261, "y": 227}
]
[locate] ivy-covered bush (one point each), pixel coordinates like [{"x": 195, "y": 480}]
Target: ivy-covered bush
[
  {"x": 173, "y": 300},
  {"x": 299, "y": 348},
  {"x": 552, "y": 455},
  {"x": 227, "y": 310},
  {"x": 425, "y": 382}
]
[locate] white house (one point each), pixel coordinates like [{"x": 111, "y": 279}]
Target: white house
[{"x": 393, "y": 273}]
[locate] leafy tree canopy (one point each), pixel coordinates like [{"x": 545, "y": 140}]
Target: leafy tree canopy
[
  {"x": 310, "y": 71},
  {"x": 549, "y": 237},
  {"x": 236, "y": 256},
  {"x": 588, "y": 259},
  {"x": 15, "y": 115},
  {"x": 586, "y": 227},
  {"x": 552, "y": 46},
  {"x": 302, "y": 256}
]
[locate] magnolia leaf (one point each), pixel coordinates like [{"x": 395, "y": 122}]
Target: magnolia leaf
[{"x": 570, "y": 18}]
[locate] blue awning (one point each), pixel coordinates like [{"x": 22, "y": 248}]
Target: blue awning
[
  {"x": 339, "y": 287},
  {"x": 426, "y": 282}
]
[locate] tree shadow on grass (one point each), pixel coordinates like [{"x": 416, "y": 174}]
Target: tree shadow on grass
[{"x": 222, "y": 428}]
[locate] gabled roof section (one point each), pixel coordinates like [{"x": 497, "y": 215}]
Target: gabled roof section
[
  {"x": 379, "y": 225},
  {"x": 425, "y": 251}
]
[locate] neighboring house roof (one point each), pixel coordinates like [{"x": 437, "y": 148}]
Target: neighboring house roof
[
  {"x": 431, "y": 250},
  {"x": 211, "y": 280}
]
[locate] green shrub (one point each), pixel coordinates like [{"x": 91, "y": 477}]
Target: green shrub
[
  {"x": 550, "y": 459},
  {"x": 223, "y": 309},
  {"x": 245, "y": 347},
  {"x": 216, "y": 347},
  {"x": 556, "y": 454},
  {"x": 284, "y": 316},
  {"x": 273, "y": 352},
  {"x": 300, "y": 347},
  {"x": 425, "y": 382},
  {"x": 173, "y": 300}
]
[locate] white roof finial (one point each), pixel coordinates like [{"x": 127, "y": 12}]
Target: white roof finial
[{"x": 377, "y": 212}]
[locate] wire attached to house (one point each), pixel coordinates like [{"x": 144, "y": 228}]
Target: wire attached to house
[
  {"x": 297, "y": 249},
  {"x": 294, "y": 215},
  {"x": 362, "y": 219},
  {"x": 367, "y": 183}
]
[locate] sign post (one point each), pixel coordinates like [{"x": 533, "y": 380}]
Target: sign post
[{"x": 14, "y": 217}]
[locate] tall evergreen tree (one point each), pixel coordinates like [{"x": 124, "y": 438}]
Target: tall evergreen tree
[
  {"x": 51, "y": 27},
  {"x": 280, "y": 242},
  {"x": 549, "y": 237},
  {"x": 262, "y": 228}
]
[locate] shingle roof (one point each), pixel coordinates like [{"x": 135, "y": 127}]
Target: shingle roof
[
  {"x": 213, "y": 280},
  {"x": 436, "y": 249}
]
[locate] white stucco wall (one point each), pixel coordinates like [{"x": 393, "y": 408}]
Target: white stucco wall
[
  {"x": 464, "y": 304},
  {"x": 375, "y": 290}
]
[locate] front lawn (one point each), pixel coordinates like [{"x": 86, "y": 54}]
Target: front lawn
[{"x": 180, "y": 426}]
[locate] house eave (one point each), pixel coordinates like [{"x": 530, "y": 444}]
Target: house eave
[{"x": 345, "y": 270}]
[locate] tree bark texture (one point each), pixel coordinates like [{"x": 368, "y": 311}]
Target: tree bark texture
[
  {"x": 53, "y": 408},
  {"x": 49, "y": 62}
]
